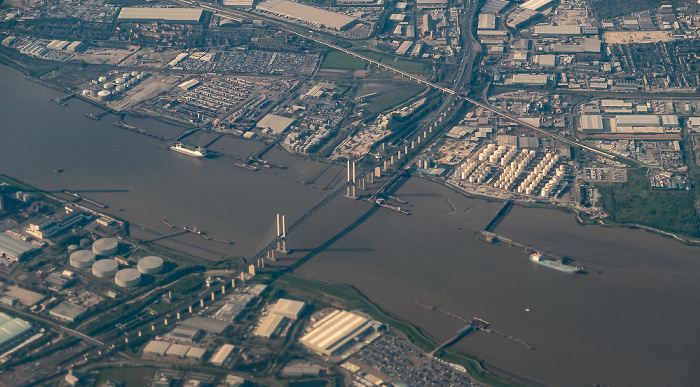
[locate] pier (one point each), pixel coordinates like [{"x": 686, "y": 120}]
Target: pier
[
  {"x": 476, "y": 323},
  {"x": 498, "y": 216},
  {"x": 123, "y": 125},
  {"x": 187, "y": 133},
  {"x": 62, "y": 100},
  {"x": 78, "y": 197},
  {"x": 99, "y": 115}
]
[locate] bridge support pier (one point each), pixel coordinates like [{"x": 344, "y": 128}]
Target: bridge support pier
[
  {"x": 351, "y": 193},
  {"x": 282, "y": 234}
]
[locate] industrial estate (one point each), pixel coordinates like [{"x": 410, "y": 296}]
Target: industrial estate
[{"x": 537, "y": 103}]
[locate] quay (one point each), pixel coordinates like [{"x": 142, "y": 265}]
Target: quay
[
  {"x": 99, "y": 115},
  {"x": 62, "y": 100}
]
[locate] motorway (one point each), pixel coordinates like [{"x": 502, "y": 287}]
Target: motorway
[{"x": 463, "y": 75}]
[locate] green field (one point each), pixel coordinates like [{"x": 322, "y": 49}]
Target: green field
[
  {"x": 635, "y": 202},
  {"x": 342, "y": 61},
  {"x": 130, "y": 376}
]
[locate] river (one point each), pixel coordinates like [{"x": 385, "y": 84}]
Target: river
[{"x": 630, "y": 321}]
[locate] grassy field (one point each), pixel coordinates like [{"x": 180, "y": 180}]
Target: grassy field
[
  {"x": 342, "y": 61},
  {"x": 392, "y": 98},
  {"x": 635, "y": 202},
  {"x": 130, "y": 376}
]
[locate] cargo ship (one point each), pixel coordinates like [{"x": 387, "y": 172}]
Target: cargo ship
[
  {"x": 189, "y": 150},
  {"x": 537, "y": 258}
]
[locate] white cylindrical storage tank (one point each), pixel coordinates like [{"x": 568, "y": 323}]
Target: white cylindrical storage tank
[
  {"x": 134, "y": 73},
  {"x": 150, "y": 265},
  {"x": 139, "y": 77},
  {"x": 105, "y": 268},
  {"x": 528, "y": 191},
  {"x": 72, "y": 248},
  {"x": 108, "y": 85},
  {"x": 104, "y": 95},
  {"x": 493, "y": 158},
  {"x": 105, "y": 246},
  {"x": 82, "y": 259},
  {"x": 482, "y": 157},
  {"x": 102, "y": 79},
  {"x": 119, "y": 81},
  {"x": 86, "y": 92},
  {"x": 120, "y": 88},
  {"x": 127, "y": 278}
]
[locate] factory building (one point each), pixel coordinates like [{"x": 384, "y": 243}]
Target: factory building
[
  {"x": 206, "y": 324},
  {"x": 165, "y": 15},
  {"x": 329, "y": 335},
  {"x": 269, "y": 326},
  {"x": 105, "y": 268},
  {"x": 185, "y": 333},
  {"x": 404, "y": 47},
  {"x": 234, "y": 306},
  {"x": 105, "y": 246},
  {"x": 164, "y": 348},
  {"x": 127, "y": 278},
  {"x": 14, "y": 249},
  {"x": 311, "y": 15},
  {"x": 150, "y": 265},
  {"x": 46, "y": 227},
  {"x": 82, "y": 259},
  {"x": 12, "y": 331}
]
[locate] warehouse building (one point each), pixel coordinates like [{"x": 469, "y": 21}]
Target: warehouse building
[
  {"x": 556, "y": 30},
  {"x": 277, "y": 124},
  {"x": 269, "y": 326},
  {"x": 487, "y": 21},
  {"x": 67, "y": 311},
  {"x": 234, "y": 307},
  {"x": 239, "y": 3},
  {"x": 223, "y": 355},
  {"x": 288, "y": 308},
  {"x": 166, "y": 15},
  {"x": 305, "y": 13},
  {"x": 12, "y": 331},
  {"x": 331, "y": 334},
  {"x": 14, "y": 249},
  {"x": 536, "y": 5},
  {"x": 591, "y": 123},
  {"x": 431, "y": 4},
  {"x": 529, "y": 79},
  {"x": 495, "y": 6},
  {"x": 636, "y": 123}
]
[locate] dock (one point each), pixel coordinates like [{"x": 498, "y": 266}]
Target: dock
[
  {"x": 99, "y": 115},
  {"x": 498, "y": 215},
  {"x": 123, "y": 125},
  {"x": 62, "y": 100},
  {"x": 79, "y": 197}
]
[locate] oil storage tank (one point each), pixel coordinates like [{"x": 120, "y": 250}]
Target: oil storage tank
[
  {"x": 127, "y": 278},
  {"x": 105, "y": 246},
  {"x": 150, "y": 265},
  {"x": 105, "y": 268},
  {"x": 82, "y": 259},
  {"x": 104, "y": 95}
]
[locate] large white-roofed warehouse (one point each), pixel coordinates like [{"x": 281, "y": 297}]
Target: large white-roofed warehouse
[
  {"x": 12, "y": 331},
  {"x": 14, "y": 249},
  {"x": 330, "y": 335},
  {"x": 306, "y": 13},
  {"x": 169, "y": 15}
]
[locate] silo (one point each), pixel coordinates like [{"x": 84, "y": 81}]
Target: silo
[
  {"x": 150, "y": 265},
  {"x": 127, "y": 278},
  {"x": 105, "y": 268},
  {"x": 105, "y": 246},
  {"x": 104, "y": 95},
  {"x": 82, "y": 259}
]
